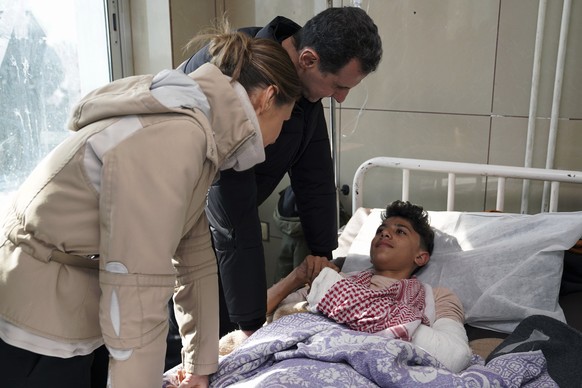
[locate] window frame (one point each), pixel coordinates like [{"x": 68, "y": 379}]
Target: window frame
[{"x": 120, "y": 41}]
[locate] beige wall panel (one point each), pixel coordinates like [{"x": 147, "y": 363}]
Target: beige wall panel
[
  {"x": 411, "y": 135},
  {"x": 241, "y": 13},
  {"x": 188, "y": 18},
  {"x": 508, "y": 146},
  {"x": 297, "y": 10},
  {"x": 513, "y": 78},
  {"x": 508, "y": 143},
  {"x": 515, "y": 58},
  {"x": 571, "y": 100},
  {"x": 245, "y": 13},
  {"x": 439, "y": 56}
]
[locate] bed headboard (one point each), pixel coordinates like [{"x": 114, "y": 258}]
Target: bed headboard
[{"x": 551, "y": 177}]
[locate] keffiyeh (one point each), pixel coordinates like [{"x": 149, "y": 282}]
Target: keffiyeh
[{"x": 394, "y": 312}]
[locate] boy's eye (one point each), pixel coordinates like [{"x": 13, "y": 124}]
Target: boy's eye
[{"x": 401, "y": 231}]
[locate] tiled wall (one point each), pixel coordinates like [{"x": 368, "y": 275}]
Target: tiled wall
[{"x": 454, "y": 84}]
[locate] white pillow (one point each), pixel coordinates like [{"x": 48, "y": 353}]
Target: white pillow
[
  {"x": 350, "y": 231},
  {"x": 362, "y": 226},
  {"x": 504, "y": 267}
]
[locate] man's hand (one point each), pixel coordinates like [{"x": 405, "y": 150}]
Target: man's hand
[
  {"x": 299, "y": 277},
  {"x": 310, "y": 268}
]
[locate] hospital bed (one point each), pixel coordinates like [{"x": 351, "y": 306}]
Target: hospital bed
[{"x": 505, "y": 267}]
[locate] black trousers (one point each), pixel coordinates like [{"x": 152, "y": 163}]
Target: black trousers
[{"x": 20, "y": 368}]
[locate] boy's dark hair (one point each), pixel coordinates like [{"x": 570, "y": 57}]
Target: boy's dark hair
[
  {"x": 417, "y": 217},
  {"x": 339, "y": 35}
]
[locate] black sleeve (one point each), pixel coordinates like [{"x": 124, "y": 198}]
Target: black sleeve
[
  {"x": 195, "y": 61},
  {"x": 313, "y": 182},
  {"x": 234, "y": 222}
]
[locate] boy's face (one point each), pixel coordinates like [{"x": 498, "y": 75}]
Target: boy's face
[{"x": 395, "y": 248}]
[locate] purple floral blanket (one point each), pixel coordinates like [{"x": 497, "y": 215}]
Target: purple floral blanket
[{"x": 309, "y": 350}]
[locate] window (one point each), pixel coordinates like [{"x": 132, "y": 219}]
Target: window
[{"x": 51, "y": 54}]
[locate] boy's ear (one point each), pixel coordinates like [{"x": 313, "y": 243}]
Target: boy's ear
[{"x": 422, "y": 258}]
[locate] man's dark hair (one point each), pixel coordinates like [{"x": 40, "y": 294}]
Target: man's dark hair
[
  {"x": 417, "y": 217},
  {"x": 340, "y": 34}
]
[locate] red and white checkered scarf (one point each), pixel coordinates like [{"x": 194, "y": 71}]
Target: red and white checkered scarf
[{"x": 394, "y": 312}]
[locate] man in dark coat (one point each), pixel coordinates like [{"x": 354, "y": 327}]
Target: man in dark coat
[{"x": 333, "y": 52}]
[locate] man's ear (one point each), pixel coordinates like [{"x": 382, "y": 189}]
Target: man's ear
[
  {"x": 422, "y": 258},
  {"x": 308, "y": 58}
]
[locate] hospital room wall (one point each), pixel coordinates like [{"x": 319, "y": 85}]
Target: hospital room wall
[{"x": 454, "y": 84}]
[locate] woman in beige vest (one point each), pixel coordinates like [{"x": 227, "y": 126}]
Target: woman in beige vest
[{"x": 111, "y": 224}]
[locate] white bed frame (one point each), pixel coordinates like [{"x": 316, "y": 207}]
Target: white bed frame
[{"x": 554, "y": 177}]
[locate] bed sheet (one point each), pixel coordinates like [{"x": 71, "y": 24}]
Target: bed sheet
[{"x": 309, "y": 350}]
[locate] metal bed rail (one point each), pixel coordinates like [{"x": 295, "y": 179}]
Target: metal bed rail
[{"x": 555, "y": 177}]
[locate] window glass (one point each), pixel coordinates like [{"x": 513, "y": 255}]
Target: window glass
[{"x": 51, "y": 53}]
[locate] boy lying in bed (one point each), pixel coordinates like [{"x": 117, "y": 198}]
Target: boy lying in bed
[{"x": 386, "y": 299}]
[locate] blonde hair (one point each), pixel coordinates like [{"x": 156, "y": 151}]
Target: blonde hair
[{"x": 253, "y": 62}]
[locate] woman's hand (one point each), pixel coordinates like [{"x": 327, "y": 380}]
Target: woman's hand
[{"x": 194, "y": 381}]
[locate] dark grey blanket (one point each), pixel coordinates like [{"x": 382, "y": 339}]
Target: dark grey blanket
[{"x": 561, "y": 345}]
